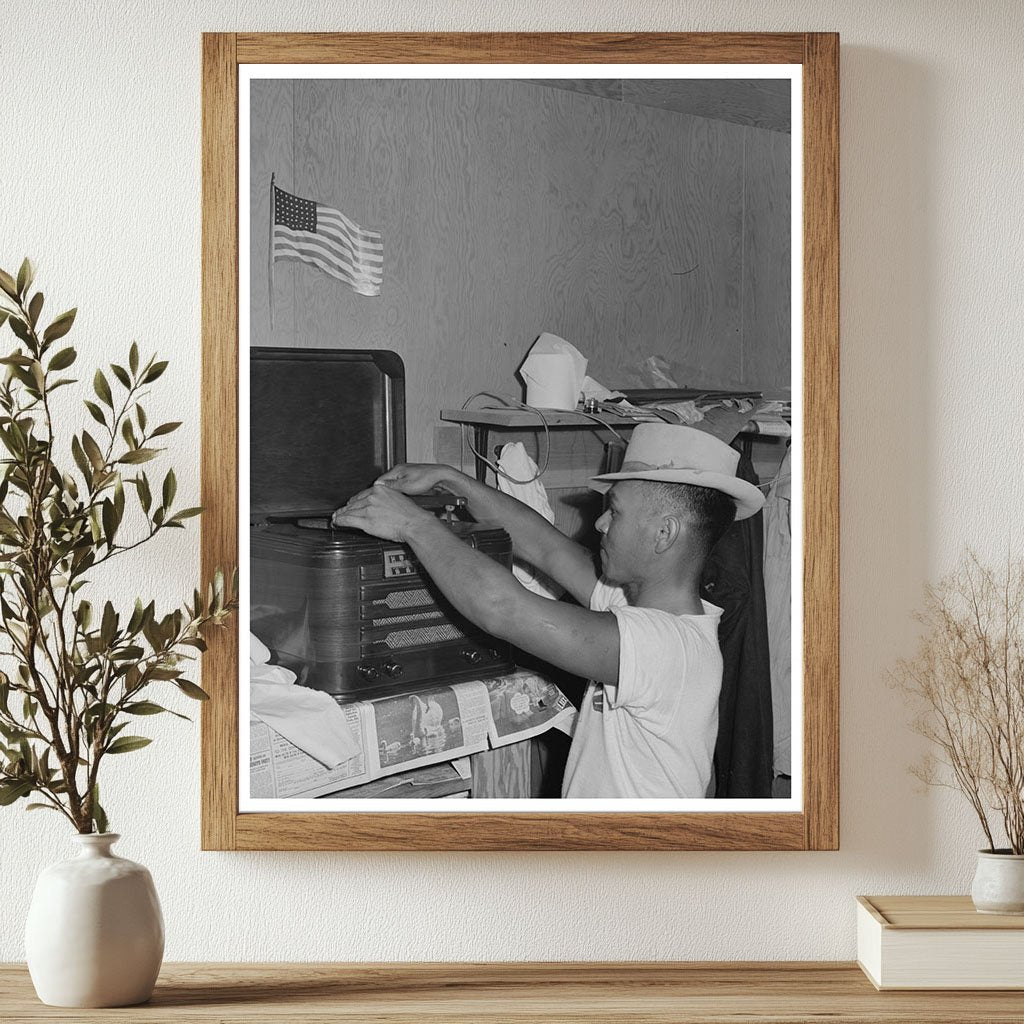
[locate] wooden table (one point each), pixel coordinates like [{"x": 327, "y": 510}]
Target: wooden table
[{"x": 837, "y": 993}]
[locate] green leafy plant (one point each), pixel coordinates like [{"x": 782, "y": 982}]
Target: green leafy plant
[{"x": 80, "y": 673}]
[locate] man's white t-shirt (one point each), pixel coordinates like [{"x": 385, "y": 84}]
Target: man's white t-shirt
[{"x": 652, "y": 734}]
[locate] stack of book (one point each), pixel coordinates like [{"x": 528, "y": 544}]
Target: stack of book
[{"x": 938, "y": 942}]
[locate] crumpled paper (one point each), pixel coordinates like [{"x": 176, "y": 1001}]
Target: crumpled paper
[
  {"x": 553, "y": 372},
  {"x": 593, "y": 389}
]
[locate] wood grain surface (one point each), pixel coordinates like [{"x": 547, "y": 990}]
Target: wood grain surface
[
  {"x": 219, "y": 430},
  {"x": 525, "y": 993},
  {"x": 936, "y": 912},
  {"x": 522, "y": 47},
  {"x": 759, "y": 103},
  {"x": 272, "y": 151},
  {"x": 537, "y": 831},
  {"x": 817, "y": 826},
  {"x": 767, "y": 255},
  {"x": 821, "y": 440},
  {"x": 511, "y": 208},
  {"x": 504, "y": 772}
]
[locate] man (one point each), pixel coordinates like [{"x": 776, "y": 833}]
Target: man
[{"x": 643, "y": 636}]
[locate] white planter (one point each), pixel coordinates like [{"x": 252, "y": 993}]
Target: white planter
[
  {"x": 999, "y": 883},
  {"x": 95, "y": 934}
]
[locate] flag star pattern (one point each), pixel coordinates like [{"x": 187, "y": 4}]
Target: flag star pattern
[
  {"x": 306, "y": 231},
  {"x": 295, "y": 213}
]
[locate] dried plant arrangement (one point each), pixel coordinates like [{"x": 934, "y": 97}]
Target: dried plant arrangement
[
  {"x": 967, "y": 682},
  {"x": 79, "y": 673}
]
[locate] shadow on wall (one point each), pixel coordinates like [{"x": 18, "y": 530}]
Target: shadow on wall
[{"x": 888, "y": 273}]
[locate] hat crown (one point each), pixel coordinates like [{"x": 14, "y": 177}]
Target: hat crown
[
  {"x": 667, "y": 453},
  {"x": 667, "y": 446}
]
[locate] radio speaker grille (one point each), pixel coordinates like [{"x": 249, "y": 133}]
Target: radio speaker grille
[
  {"x": 394, "y": 620},
  {"x": 406, "y": 598},
  {"x": 425, "y": 635}
]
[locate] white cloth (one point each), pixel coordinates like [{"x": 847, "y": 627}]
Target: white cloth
[
  {"x": 652, "y": 734},
  {"x": 260, "y": 669},
  {"x": 778, "y": 543},
  {"x": 309, "y": 719},
  {"x": 514, "y": 461}
]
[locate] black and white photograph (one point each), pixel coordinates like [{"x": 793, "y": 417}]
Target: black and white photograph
[{"x": 520, "y": 418}]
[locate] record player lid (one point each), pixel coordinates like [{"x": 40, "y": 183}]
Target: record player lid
[{"x": 323, "y": 425}]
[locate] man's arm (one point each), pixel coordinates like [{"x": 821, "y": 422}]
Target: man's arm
[
  {"x": 533, "y": 538},
  {"x": 580, "y": 641}
]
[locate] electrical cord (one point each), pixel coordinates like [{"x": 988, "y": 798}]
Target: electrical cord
[
  {"x": 601, "y": 423},
  {"x": 511, "y": 403}
]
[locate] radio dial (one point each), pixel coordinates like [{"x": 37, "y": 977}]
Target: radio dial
[
  {"x": 471, "y": 655},
  {"x": 367, "y": 671},
  {"x": 393, "y": 669}
]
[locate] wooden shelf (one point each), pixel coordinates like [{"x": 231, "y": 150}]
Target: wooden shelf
[
  {"x": 523, "y": 419},
  {"x": 797, "y": 993},
  {"x": 514, "y": 422}
]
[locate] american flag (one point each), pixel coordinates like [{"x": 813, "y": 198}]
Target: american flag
[{"x": 309, "y": 232}]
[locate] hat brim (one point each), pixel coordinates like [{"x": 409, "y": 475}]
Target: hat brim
[{"x": 749, "y": 499}]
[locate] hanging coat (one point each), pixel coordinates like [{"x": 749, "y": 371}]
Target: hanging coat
[
  {"x": 778, "y": 594},
  {"x": 733, "y": 579}
]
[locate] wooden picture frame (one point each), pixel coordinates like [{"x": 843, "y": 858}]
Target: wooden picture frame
[{"x": 816, "y": 826}]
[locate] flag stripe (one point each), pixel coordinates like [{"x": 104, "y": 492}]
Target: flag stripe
[
  {"x": 335, "y": 230},
  {"x": 340, "y": 236},
  {"x": 305, "y": 249},
  {"x": 313, "y": 245},
  {"x": 373, "y": 265},
  {"x": 361, "y": 286},
  {"x": 339, "y": 244},
  {"x": 330, "y": 214}
]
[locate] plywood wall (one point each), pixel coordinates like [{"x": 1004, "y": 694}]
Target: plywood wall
[{"x": 508, "y": 209}]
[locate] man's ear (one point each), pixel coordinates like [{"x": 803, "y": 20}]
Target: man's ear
[{"x": 669, "y": 529}]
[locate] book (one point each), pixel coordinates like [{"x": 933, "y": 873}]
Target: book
[{"x": 938, "y": 942}]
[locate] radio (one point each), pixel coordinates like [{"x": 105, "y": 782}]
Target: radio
[{"x": 347, "y": 612}]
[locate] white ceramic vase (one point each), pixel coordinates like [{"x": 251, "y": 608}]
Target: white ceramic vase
[
  {"x": 95, "y": 933},
  {"x": 999, "y": 882}
]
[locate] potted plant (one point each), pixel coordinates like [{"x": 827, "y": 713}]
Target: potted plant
[
  {"x": 78, "y": 671},
  {"x": 967, "y": 681}
]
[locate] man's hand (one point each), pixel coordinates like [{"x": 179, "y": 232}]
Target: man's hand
[
  {"x": 381, "y": 511},
  {"x": 417, "y": 477}
]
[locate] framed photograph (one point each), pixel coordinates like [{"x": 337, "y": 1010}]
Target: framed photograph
[{"x": 390, "y": 222}]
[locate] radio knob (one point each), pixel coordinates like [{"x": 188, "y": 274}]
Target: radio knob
[
  {"x": 393, "y": 669},
  {"x": 367, "y": 671},
  {"x": 472, "y": 655}
]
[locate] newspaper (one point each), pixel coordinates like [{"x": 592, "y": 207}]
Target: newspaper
[
  {"x": 524, "y": 705},
  {"x": 409, "y": 731},
  {"x": 278, "y": 769}
]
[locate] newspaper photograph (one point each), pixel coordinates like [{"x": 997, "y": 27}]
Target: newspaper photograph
[
  {"x": 421, "y": 728},
  {"x": 524, "y": 705}
]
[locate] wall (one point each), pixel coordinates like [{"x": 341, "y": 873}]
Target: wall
[
  {"x": 101, "y": 183},
  {"x": 510, "y": 208}
]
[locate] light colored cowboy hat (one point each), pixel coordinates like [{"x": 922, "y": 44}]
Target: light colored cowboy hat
[{"x": 683, "y": 455}]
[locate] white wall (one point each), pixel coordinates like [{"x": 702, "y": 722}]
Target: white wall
[{"x": 100, "y": 182}]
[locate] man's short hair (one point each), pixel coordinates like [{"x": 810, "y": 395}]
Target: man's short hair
[{"x": 709, "y": 512}]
